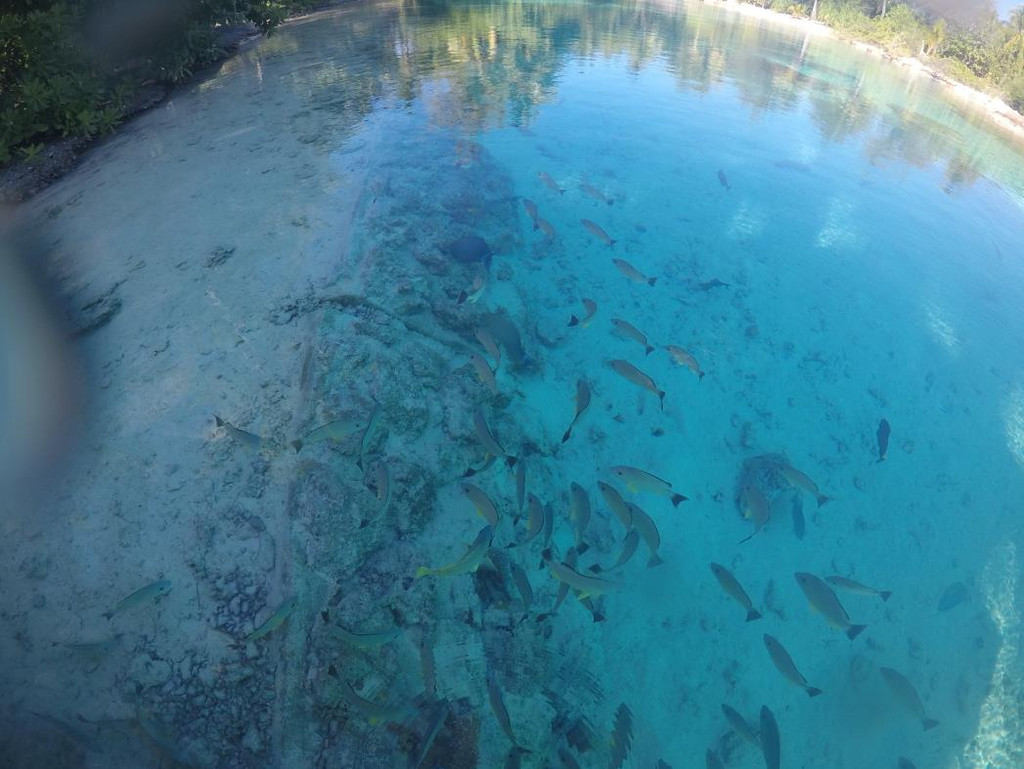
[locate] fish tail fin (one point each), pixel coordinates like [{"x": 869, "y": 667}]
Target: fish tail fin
[
  {"x": 654, "y": 560},
  {"x": 582, "y": 547},
  {"x": 218, "y": 420},
  {"x": 561, "y": 191},
  {"x": 885, "y": 594},
  {"x": 651, "y": 281},
  {"x": 610, "y": 202},
  {"x": 649, "y": 350},
  {"x": 422, "y": 571},
  {"x": 543, "y": 616},
  {"x": 566, "y": 434},
  {"x": 700, "y": 375},
  {"x": 535, "y": 225},
  {"x": 599, "y": 616},
  {"x": 753, "y": 614},
  {"x": 612, "y": 242},
  {"x": 880, "y": 460},
  {"x": 297, "y": 445},
  {"x": 596, "y": 569},
  {"x": 812, "y": 692},
  {"x": 462, "y": 297},
  {"x": 108, "y": 614},
  {"x": 546, "y": 554},
  {"x": 929, "y": 723},
  {"x": 661, "y": 399},
  {"x": 677, "y": 498},
  {"x": 573, "y": 320},
  {"x": 511, "y": 461},
  {"x": 855, "y": 630},
  {"x": 823, "y": 498}
]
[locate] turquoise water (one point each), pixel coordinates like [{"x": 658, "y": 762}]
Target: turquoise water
[{"x": 834, "y": 241}]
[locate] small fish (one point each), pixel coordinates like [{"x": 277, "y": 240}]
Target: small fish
[
  {"x": 632, "y": 272},
  {"x": 484, "y": 506},
  {"x": 521, "y": 484},
  {"x": 586, "y": 585},
  {"x": 639, "y": 378},
  {"x": 522, "y": 583},
  {"x": 338, "y": 430},
  {"x": 824, "y": 601},
  {"x": 383, "y": 486},
  {"x": 582, "y": 402},
  {"x": 735, "y": 590},
  {"x": 713, "y": 283},
  {"x": 630, "y": 331},
  {"x": 856, "y": 587},
  {"x": 740, "y": 726},
  {"x": 484, "y": 372},
  {"x": 907, "y": 696},
  {"x": 374, "y": 712},
  {"x": 754, "y": 506},
  {"x": 274, "y": 621},
  {"x": 683, "y": 358},
  {"x": 483, "y": 336},
  {"x": 549, "y": 182},
  {"x": 563, "y": 587},
  {"x": 546, "y": 227},
  {"x": 92, "y": 650},
  {"x": 468, "y": 563},
  {"x": 648, "y": 530},
  {"x": 154, "y": 591},
  {"x": 247, "y": 439},
  {"x": 591, "y": 309},
  {"x": 476, "y": 290},
  {"x": 799, "y": 480},
  {"x": 598, "y": 233},
  {"x": 785, "y": 665},
  {"x": 629, "y": 545},
  {"x": 712, "y": 761},
  {"x": 883, "y": 439},
  {"x": 953, "y": 596},
  {"x": 369, "y": 433},
  {"x": 905, "y": 763},
  {"x": 722, "y": 179},
  {"x": 434, "y": 723},
  {"x": 531, "y": 210},
  {"x": 638, "y": 480},
  {"x": 770, "y": 746},
  {"x": 486, "y": 437},
  {"x": 366, "y": 640},
  {"x": 579, "y": 515},
  {"x": 535, "y": 519},
  {"x": 549, "y": 525},
  {"x": 596, "y": 194},
  {"x": 498, "y": 707},
  {"x": 567, "y": 758},
  {"x": 428, "y": 666},
  {"x": 622, "y": 736},
  {"x": 616, "y": 504}
]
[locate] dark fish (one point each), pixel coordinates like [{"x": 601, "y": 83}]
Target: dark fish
[
  {"x": 591, "y": 307},
  {"x": 514, "y": 759},
  {"x": 770, "y": 739},
  {"x": 622, "y": 736},
  {"x": 545, "y": 226},
  {"x": 953, "y": 596},
  {"x": 582, "y": 401},
  {"x": 596, "y": 194},
  {"x": 735, "y": 590},
  {"x": 825, "y": 602},
  {"x": 722, "y": 179},
  {"x": 507, "y": 335},
  {"x": 437, "y": 718},
  {"x": 905, "y": 763},
  {"x": 713, "y": 283},
  {"x": 883, "y": 439},
  {"x": 598, "y": 232},
  {"x": 521, "y": 482},
  {"x": 712, "y": 760},
  {"x": 661, "y": 764},
  {"x": 469, "y": 249},
  {"x": 799, "y": 526},
  {"x": 550, "y": 183},
  {"x": 531, "y": 210},
  {"x": 563, "y": 587},
  {"x": 906, "y": 694},
  {"x": 785, "y": 665},
  {"x": 740, "y": 726}
]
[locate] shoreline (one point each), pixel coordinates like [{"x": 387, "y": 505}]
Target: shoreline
[{"x": 997, "y": 111}]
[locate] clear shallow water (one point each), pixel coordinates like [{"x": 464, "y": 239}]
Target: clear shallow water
[{"x": 272, "y": 238}]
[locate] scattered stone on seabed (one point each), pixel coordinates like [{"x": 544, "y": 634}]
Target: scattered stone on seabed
[
  {"x": 96, "y": 312},
  {"x": 219, "y": 255}
]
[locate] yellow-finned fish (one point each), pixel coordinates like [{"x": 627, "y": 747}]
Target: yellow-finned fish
[
  {"x": 275, "y": 620},
  {"x": 852, "y": 586},
  {"x": 735, "y": 590},
  {"x": 906, "y": 694},
  {"x": 522, "y": 583},
  {"x": 824, "y": 601},
  {"x": 468, "y": 563},
  {"x": 598, "y": 232},
  {"x": 801, "y": 481},
  {"x": 476, "y": 290},
  {"x": 637, "y": 480},
  {"x": 616, "y": 504},
  {"x": 362, "y": 640},
  {"x": 483, "y": 336},
  {"x": 484, "y": 506},
  {"x": 785, "y": 665},
  {"x": 683, "y": 358},
  {"x": 369, "y": 433},
  {"x": 154, "y": 591},
  {"x": 531, "y": 210},
  {"x": 579, "y": 515},
  {"x": 582, "y": 402},
  {"x": 632, "y": 273},
  {"x": 591, "y": 310},
  {"x": 484, "y": 372},
  {"x": 487, "y": 439},
  {"x": 542, "y": 224},
  {"x": 247, "y": 439},
  {"x": 338, "y": 430},
  {"x": 498, "y": 707},
  {"x": 563, "y": 587},
  {"x": 536, "y": 518},
  {"x": 587, "y": 586},
  {"x": 630, "y": 331},
  {"x": 592, "y": 192},
  {"x": 629, "y": 545},
  {"x": 383, "y": 480},
  {"x": 374, "y": 712},
  {"x": 631, "y": 373},
  {"x": 648, "y": 531},
  {"x": 754, "y": 506}
]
